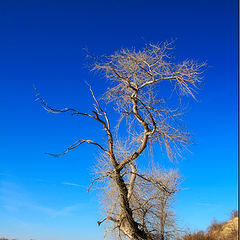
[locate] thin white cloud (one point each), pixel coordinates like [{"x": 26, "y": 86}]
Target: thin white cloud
[
  {"x": 67, "y": 210},
  {"x": 15, "y": 199},
  {"x": 74, "y": 184}
]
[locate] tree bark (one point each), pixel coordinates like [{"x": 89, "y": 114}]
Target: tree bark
[{"x": 127, "y": 224}]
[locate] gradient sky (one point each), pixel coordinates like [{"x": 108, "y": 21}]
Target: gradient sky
[{"x": 42, "y": 44}]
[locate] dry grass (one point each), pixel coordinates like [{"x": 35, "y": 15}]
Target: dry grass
[{"x": 217, "y": 231}]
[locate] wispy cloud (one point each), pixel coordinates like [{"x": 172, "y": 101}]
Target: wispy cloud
[
  {"x": 67, "y": 210},
  {"x": 14, "y": 198},
  {"x": 51, "y": 212},
  {"x": 74, "y": 184}
]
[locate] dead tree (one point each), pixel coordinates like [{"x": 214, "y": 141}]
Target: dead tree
[{"x": 135, "y": 201}]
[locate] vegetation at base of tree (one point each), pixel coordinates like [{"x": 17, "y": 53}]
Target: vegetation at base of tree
[{"x": 227, "y": 230}]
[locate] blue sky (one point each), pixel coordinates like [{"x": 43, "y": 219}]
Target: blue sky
[{"x": 42, "y": 44}]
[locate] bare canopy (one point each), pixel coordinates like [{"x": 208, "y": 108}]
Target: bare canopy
[{"x": 137, "y": 203}]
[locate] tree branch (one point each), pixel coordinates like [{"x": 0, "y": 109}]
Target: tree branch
[
  {"x": 53, "y": 110},
  {"x": 75, "y": 145},
  {"x": 132, "y": 181},
  {"x": 107, "y": 218}
]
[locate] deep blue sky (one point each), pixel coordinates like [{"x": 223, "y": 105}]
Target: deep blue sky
[{"x": 42, "y": 43}]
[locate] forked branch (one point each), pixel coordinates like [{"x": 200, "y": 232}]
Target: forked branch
[{"x": 77, "y": 144}]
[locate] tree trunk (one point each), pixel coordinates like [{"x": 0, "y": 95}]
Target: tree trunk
[{"x": 127, "y": 224}]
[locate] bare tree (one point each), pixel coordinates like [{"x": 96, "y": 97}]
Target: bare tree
[{"x": 136, "y": 202}]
